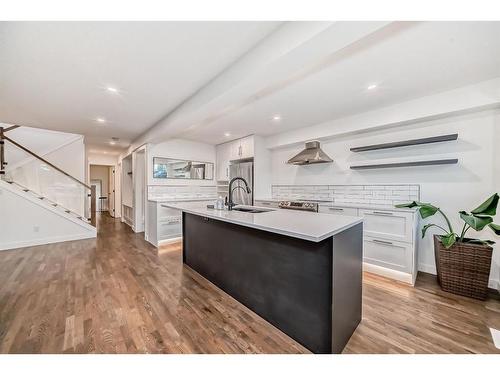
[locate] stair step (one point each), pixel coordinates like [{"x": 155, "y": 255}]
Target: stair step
[{"x": 52, "y": 203}]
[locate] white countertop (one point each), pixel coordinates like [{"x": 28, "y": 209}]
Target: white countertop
[
  {"x": 309, "y": 226},
  {"x": 367, "y": 206}
]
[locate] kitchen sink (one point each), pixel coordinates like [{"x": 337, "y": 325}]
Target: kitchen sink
[{"x": 252, "y": 210}]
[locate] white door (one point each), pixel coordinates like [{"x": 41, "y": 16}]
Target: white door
[
  {"x": 98, "y": 203},
  {"x": 111, "y": 191}
]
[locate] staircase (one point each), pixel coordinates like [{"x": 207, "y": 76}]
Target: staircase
[
  {"x": 39, "y": 202},
  {"x": 61, "y": 209}
]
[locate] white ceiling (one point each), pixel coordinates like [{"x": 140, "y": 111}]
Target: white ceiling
[
  {"x": 405, "y": 60},
  {"x": 54, "y": 75}
]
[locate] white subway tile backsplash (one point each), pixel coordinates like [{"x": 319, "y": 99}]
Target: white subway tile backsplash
[
  {"x": 181, "y": 192},
  {"x": 359, "y": 194}
]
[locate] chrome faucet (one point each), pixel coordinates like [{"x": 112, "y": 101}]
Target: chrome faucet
[{"x": 230, "y": 203}]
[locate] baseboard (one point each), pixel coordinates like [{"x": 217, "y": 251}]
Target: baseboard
[
  {"x": 387, "y": 272},
  {"x": 45, "y": 241},
  {"x": 169, "y": 240},
  {"x": 430, "y": 268},
  {"x": 427, "y": 268}
]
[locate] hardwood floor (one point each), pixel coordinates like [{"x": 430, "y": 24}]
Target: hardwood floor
[{"x": 117, "y": 294}]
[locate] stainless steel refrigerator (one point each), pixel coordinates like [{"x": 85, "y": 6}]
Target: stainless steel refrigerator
[{"x": 245, "y": 170}]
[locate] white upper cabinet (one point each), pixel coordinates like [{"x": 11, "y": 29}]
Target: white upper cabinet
[
  {"x": 246, "y": 147},
  {"x": 242, "y": 148},
  {"x": 223, "y": 158},
  {"x": 239, "y": 149},
  {"x": 235, "y": 148}
]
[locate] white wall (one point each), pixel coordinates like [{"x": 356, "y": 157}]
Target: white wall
[
  {"x": 27, "y": 221},
  {"x": 453, "y": 187},
  {"x": 102, "y": 159},
  {"x": 181, "y": 149}
]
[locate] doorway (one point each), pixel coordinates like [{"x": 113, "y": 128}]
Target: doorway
[
  {"x": 102, "y": 177},
  {"x": 139, "y": 190}
]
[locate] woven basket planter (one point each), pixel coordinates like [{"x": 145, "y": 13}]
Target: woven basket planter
[{"x": 464, "y": 268}]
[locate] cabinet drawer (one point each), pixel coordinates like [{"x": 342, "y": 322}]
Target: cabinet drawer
[
  {"x": 338, "y": 210},
  {"x": 169, "y": 229},
  {"x": 390, "y": 225},
  {"x": 390, "y": 254}
]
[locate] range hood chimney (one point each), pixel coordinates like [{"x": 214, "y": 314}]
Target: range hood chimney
[{"x": 312, "y": 154}]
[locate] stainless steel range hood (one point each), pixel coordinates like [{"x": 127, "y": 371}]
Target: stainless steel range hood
[{"x": 312, "y": 154}]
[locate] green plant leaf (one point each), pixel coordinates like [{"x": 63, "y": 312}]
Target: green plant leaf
[
  {"x": 476, "y": 222},
  {"x": 488, "y": 207},
  {"x": 448, "y": 240},
  {"x": 424, "y": 229},
  {"x": 495, "y": 228},
  {"x": 425, "y": 209},
  {"x": 408, "y": 205},
  {"x": 427, "y": 226}
]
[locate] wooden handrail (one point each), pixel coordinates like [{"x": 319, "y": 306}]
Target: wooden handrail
[
  {"x": 11, "y": 128},
  {"x": 45, "y": 161}
]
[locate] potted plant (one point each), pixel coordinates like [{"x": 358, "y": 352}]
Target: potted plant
[{"x": 462, "y": 263}]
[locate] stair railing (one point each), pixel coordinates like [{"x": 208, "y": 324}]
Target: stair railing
[{"x": 91, "y": 190}]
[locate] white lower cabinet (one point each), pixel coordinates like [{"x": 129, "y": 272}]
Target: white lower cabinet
[
  {"x": 389, "y": 241},
  {"x": 338, "y": 210},
  {"x": 390, "y": 225},
  {"x": 164, "y": 223},
  {"x": 390, "y": 254}
]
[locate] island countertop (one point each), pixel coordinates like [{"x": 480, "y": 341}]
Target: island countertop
[{"x": 309, "y": 226}]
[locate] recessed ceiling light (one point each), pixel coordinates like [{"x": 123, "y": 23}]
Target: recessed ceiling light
[
  {"x": 112, "y": 143},
  {"x": 100, "y": 120},
  {"x": 112, "y": 89},
  {"x": 372, "y": 86},
  {"x": 227, "y": 134},
  {"x": 276, "y": 117}
]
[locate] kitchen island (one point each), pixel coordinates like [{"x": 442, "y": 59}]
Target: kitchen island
[{"x": 300, "y": 271}]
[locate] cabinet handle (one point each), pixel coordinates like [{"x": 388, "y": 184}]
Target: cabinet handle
[
  {"x": 383, "y": 242},
  {"x": 383, "y": 213},
  {"x": 335, "y": 209},
  {"x": 265, "y": 203}
]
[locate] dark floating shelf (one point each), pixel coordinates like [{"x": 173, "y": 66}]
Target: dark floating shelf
[
  {"x": 411, "y": 142},
  {"x": 406, "y": 164}
]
